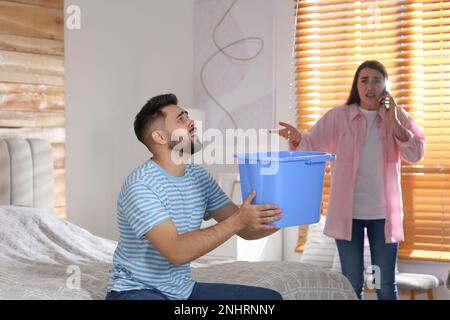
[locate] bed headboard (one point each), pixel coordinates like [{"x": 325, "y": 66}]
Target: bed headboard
[{"x": 26, "y": 173}]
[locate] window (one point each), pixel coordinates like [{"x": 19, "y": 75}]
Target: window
[{"x": 412, "y": 40}]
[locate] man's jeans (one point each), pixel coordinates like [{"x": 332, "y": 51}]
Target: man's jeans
[{"x": 203, "y": 291}]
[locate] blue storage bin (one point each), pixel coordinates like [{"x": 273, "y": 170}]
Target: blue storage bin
[{"x": 293, "y": 180}]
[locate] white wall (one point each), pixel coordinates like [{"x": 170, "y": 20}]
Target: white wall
[
  {"x": 284, "y": 25},
  {"x": 125, "y": 53},
  {"x": 245, "y": 89}
]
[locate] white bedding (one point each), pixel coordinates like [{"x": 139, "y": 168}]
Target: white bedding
[
  {"x": 37, "y": 250},
  {"x": 40, "y": 257}
]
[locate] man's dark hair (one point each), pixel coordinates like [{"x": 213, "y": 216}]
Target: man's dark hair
[{"x": 150, "y": 112}]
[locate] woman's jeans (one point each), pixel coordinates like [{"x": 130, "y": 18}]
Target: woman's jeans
[
  {"x": 383, "y": 255},
  {"x": 203, "y": 291}
]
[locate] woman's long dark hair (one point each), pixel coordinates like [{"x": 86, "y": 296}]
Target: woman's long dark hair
[{"x": 372, "y": 64}]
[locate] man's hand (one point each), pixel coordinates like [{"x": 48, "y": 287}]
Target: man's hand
[{"x": 255, "y": 218}]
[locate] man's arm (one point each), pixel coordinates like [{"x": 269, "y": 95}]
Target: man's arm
[
  {"x": 227, "y": 211},
  {"x": 183, "y": 248}
]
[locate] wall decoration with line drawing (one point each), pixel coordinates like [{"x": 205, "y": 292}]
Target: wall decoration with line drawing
[{"x": 234, "y": 63}]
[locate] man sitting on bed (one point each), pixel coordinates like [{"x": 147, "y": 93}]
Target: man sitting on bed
[{"x": 160, "y": 210}]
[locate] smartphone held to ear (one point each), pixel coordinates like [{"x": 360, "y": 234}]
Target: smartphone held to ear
[
  {"x": 386, "y": 100},
  {"x": 387, "y": 88}
]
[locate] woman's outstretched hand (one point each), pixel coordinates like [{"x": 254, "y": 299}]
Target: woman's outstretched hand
[{"x": 289, "y": 132}]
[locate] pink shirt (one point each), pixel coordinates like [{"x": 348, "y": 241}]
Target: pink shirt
[{"x": 341, "y": 131}]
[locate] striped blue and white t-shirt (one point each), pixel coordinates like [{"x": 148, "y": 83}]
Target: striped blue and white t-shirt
[{"x": 148, "y": 197}]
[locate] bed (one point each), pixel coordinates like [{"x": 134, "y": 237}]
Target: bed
[{"x": 45, "y": 258}]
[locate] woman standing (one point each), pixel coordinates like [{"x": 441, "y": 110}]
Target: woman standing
[{"x": 369, "y": 135}]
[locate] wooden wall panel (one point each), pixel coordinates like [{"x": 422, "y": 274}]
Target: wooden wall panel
[
  {"x": 31, "y": 45},
  {"x": 18, "y": 67},
  {"x": 57, "y": 4},
  {"x": 54, "y": 135},
  {"x": 32, "y": 21},
  {"x": 32, "y": 79},
  {"x": 18, "y": 119},
  {"x": 59, "y": 155},
  {"x": 31, "y": 98}
]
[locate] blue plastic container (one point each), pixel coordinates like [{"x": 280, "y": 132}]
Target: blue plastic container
[{"x": 293, "y": 180}]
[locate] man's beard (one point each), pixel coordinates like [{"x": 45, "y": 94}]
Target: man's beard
[{"x": 184, "y": 148}]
